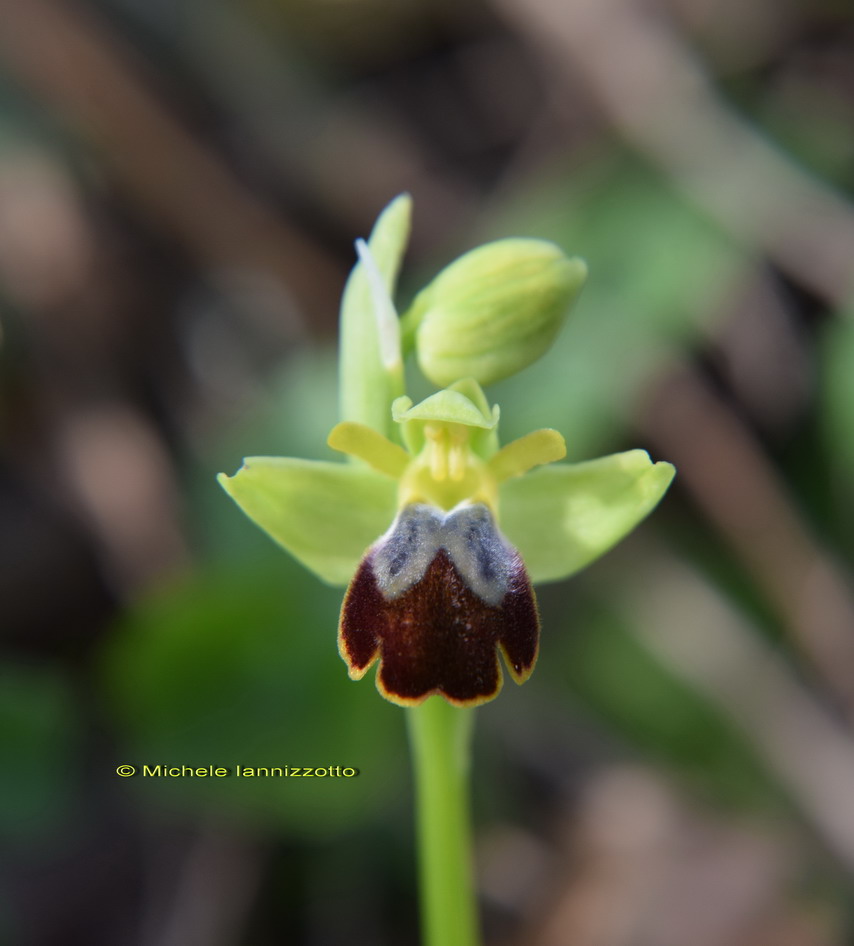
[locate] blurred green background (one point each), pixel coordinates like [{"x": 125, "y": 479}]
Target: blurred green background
[{"x": 180, "y": 187}]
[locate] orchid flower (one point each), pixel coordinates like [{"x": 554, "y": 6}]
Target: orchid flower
[{"x": 437, "y": 530}]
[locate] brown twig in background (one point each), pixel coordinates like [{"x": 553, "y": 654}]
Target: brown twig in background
[
  {"x": 69, "y": 61},
  {"x": 209, "y": 899},
  {"x": 659, "y": 99},
  {"x": 724, "y": 469},
  {"x": 695, "y": 635},
  {"x": 642, "y": 864}
]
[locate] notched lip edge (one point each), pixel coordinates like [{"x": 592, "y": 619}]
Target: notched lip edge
[
  {"x": 357, "y": 673},
  {"x": 437, "y": 691}
]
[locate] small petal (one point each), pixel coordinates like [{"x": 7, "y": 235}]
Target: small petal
[
  {"x": 564, "y": 516},
  {"x": 324, "y": 514},
  {"x": 520, "y": 456},
  {"x": 434, "y": 600},
  {"x": 364, "y": 442}
]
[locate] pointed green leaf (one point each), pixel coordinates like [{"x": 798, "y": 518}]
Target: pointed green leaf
[
  {"x": 562, "y": 517},
  {"x": 325, "y": 514},
  {"x": 368, "y": 386}
]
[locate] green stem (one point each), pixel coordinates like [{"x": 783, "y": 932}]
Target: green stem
[{"x": 440, "y": 738}]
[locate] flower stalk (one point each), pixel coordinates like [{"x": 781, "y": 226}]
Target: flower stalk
[{"x": 440, "y": 742}]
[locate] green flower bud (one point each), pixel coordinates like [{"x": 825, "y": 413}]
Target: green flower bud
[{"x": 494, "y": 311}]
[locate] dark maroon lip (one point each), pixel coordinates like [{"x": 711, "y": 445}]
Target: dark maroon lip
[{"x": 437, "y": 634}]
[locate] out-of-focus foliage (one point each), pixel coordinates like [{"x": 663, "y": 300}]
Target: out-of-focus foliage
[
  {"x": 222, "y": 672},
  {"x": 41, "y": 744},
  {"x": 837, "y": 354}
]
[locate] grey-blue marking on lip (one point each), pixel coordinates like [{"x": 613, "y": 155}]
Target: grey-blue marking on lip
[
  {"x": 480, "y": 553},
  {"x": 404, "y": 553}
]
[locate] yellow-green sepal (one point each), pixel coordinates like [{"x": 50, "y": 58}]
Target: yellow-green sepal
[
  {"x": 371, "y": 371},
  {"x": 564, "y": 516},
  {"x": 324, "y": 514}
]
